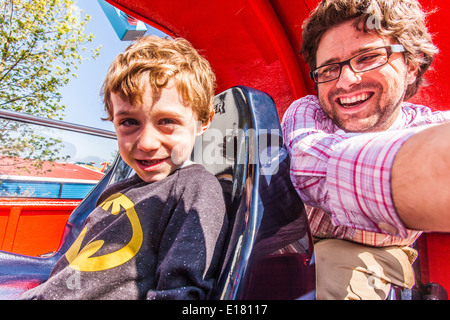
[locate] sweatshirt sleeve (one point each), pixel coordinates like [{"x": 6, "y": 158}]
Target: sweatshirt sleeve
[{"x": 192, "y": 242}]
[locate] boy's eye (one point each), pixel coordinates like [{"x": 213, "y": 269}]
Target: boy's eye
[
  {"x": 167, "y": 121},
  {"x": 129, "y": 122}
]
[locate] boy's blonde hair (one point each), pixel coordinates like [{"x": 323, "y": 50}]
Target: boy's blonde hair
[{"x": 151, "y": 62}]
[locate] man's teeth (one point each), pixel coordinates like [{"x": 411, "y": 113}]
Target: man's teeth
[{"x": 355, "y": 99}]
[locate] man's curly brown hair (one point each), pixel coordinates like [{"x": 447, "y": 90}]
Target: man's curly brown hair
[{"x": 402, "y": 20}]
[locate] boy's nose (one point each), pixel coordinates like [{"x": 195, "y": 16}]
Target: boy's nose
[
  {"x": 348, "y": 78},
  {"x": 148, "y": 140}
]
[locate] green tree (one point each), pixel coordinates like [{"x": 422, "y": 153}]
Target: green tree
[{"x": 42, "y": 43}]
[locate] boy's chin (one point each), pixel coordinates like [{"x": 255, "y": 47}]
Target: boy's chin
[
  {"x": 153, "y": 178},
  {"x": 150, "y": 177}
]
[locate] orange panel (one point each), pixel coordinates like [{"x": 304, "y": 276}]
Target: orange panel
[
  {"x": 33, "y": 226},
  {"x": 4, "y": 215},
  {"x": 38, "y": 233},
  {"x": 10, "y": 232}
]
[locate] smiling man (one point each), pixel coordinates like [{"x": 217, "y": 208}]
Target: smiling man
[
  {"x": 362, "y": 155},
  {"x": 370, "y": 88}
]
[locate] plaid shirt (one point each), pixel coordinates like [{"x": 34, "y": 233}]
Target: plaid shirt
[{"x": 344, "y": 178}]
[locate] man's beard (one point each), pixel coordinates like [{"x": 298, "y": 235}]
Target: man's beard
[{"x": 377, "y": 118}]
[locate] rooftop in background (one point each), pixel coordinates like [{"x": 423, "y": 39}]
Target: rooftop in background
[{"x": 28, "y": 169}]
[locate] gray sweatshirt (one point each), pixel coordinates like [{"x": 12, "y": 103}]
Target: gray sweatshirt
[{"x": 161, "y": 240}]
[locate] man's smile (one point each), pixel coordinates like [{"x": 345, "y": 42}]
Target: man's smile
[{"x": 355, "y": 100}]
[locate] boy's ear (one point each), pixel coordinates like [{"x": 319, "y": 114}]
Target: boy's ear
[{"x": 205, "y": 125}]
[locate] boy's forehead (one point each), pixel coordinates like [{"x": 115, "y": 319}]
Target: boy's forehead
[
  {"x": 167, "y": 98},
  {"x": 150, "y": 95},
  {"x": 137, "y": 97},
  {"x": 120, "y": 103}
]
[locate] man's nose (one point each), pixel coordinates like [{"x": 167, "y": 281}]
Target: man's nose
[{"x": 348, "y": 78}]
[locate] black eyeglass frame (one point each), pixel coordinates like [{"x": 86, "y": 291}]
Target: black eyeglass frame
[{"x": 390, "y": 49}]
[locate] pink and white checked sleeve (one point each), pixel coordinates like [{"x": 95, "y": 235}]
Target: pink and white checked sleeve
[{"x": 345, "y": 174}]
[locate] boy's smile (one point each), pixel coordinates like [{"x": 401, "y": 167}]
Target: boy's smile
[{"x": 157, "y": 137}]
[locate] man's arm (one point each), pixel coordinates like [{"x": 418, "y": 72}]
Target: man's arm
[
  {"x": 349, "y": 175},
  {"x": 421, "y": 180}
]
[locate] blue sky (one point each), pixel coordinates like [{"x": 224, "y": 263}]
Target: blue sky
[{"x": 82, "y": 95}]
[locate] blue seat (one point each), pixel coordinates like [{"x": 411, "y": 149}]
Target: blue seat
[{"x": 269, "y": 252}]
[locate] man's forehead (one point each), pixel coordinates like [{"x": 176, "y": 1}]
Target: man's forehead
[{"x": 344, "y": 41}]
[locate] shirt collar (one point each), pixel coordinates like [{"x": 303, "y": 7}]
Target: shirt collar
[{"x": 399, "y": 122}]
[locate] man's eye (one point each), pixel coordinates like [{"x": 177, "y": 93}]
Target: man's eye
[
  {"x": 326, "y": 71},
  {"x": 369, "y": 58}
]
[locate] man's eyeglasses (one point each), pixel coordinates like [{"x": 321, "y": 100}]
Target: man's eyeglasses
[{"x": 362, "y": 62}]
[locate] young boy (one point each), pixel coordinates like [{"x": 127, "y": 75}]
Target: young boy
[{"x": 158, "y": 234}]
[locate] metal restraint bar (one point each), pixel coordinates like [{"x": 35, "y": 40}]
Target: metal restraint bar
[{"x": 58, "y": 124}]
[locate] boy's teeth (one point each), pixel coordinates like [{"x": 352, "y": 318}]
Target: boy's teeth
[{"x": 149, "y": 163}]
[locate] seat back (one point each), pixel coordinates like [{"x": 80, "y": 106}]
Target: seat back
[{"x": 269, "y": 254}]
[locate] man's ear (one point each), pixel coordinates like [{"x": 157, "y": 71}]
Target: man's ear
[
  {"x": 413, "y": 71},
  {"x": 205, "y": 125}
]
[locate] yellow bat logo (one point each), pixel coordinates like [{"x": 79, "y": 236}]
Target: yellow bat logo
[{"x": 82, "y": 260}]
